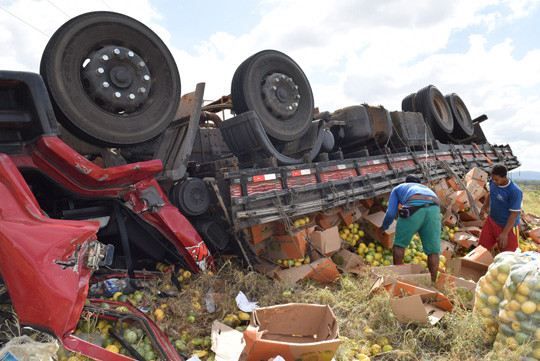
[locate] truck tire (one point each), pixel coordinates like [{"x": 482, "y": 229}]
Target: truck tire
[
  {"x": 273, "y": 85},
  {"x": 111, "y": 79},
  {"x": 463, "y": 125},
  {"x": 431, "y": 103},
  {"x": 191, "y": 197},
  {"x": 408, "y": 104}
]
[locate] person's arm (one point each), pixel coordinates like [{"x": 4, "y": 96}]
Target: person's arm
[
  {"x": 391, "y": 211},
  {"x": 503, "y": 237},
  {"x": 484, "y": 211}
]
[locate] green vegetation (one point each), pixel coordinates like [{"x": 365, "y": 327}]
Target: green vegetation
[{"x": 531, "y": 196}]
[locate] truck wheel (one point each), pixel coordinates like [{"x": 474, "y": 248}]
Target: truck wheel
[
  {"x": 111, "y": 79},
  {"x": 274, "y": 86},
  {"x": 408, "y": 104},
  {"x": 463, "y": 125},
  {"x": 431, "y": 103},
  {"x": 191, "y": 197}
]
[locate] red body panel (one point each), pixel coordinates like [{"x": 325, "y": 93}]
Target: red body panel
[
  {"x": 44, "y": 293},
  {"x": 83, "y": 177}
]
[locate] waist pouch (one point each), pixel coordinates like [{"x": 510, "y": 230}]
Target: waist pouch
[{"x": 407, "y": 210}]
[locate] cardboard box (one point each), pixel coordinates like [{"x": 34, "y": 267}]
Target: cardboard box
[
  {"x": 227, "y": 343},
  {"x": 477, "y": 190},
  {"x": 259, "y": 233},
  {"x": 267, "y": 268},
  {"x": 322, "y": 270},
  {"x": 478, "y": 223},
  {"x": 466, "y": 268},
  {"x": 448, "y": 249},
  {"x": 480, "y": 254},
  {"x": 287, "y": 247},
  {"x": 415, "y": 301},
  {"x": 293, "y": 331},
  {"x": 453, "y": 183},
  {"x": 399, "y": 270},
  {"x": 531, "y": 219},
  {"x": 534, "y": 234},
  {"x": 359, "y": 213},
  {"x": 260, "y": 249},
  {"x": 477, "y": 174},
  {"x": 441, "y": 188},
  {"x": 461, "y": 201},
  {"x": 461, "y": 285},
  {"x": 373, "y": 222},
  {"x": 347, "y": 216},
  {"x": 326, "y": 221},
  {"x": 349, "y": 262},
  {"x": 327, "y": 241},
  {"x": 449, "y": 219},
  {"x": 465, "y": 239},
  {"x": 368, "y": 203},
  {"x": 470, "y": 215}
]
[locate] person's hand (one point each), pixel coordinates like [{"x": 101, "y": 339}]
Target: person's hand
[
  {"x": 503, "y": 240},
  {"x": 483, "y": 214}
]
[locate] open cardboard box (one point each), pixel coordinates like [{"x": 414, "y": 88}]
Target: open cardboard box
[
  {"x": 349, "y": 262},
  {"x": 413, "y": 301},
  {"x": 260, "y": 232},
  {"x": 466, "y": 268},
  {"x": 293, "y": 331},
  {"x": 287, "y": 247},
  {"x": 461, "y": 285},
  {"x": 327, "y": 241},
  {"x": 398, "y": 270},
  {"x": 373, "y": 223},
  {"x": 480, "y": 254},
  {"x": 322, "y": 270}
]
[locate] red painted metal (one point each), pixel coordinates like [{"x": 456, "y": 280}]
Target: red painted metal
[
  {"x": 44, "y": 293},
  {"x": 83, "y": 177}
]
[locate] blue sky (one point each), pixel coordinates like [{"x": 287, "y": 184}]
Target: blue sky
[{"x": 353, "y": 51}]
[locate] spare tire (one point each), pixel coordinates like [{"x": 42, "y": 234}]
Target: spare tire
[
  {"x": 463, "y": 125},
  {"x": 111, "y": 79},
  {"x": 408, "y": 104},
  {"x": 433, "y": 106},
  {"x": 275, "y": 87},
  {"x": 191, "y": 197}
]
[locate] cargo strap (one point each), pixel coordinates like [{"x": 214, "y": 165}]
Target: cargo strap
[{"x": 489, "y": 160}]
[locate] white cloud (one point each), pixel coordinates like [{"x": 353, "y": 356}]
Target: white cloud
[{"x": 352, "y": 51}]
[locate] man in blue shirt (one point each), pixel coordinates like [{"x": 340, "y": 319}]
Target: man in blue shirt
[
  {"x": 425, "y": 221},
  {"x": 504, "y": 203}
]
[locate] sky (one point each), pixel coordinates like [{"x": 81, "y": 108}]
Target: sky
[{"x": 352, "y": 51}]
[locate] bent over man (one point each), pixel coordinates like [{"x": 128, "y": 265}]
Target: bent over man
[{"x": 420, "y": 213}]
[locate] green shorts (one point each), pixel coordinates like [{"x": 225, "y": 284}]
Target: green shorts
[{"x": 427, "y": 223}]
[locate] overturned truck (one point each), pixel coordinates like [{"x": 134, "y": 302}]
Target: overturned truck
[{"x": 107, "y": 170}]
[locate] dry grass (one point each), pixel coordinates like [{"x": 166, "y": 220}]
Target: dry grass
[{"x": 458, "y": 336}]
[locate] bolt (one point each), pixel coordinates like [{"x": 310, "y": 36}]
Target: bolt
[
  {"x": 100, "y": 71},
  {"x": 295, "y": 105},
  {"x": 296, "y": 87},
  {"x": 105, "y": 84},
  {"x": 274, "y": 87},
  {"x": 146, "y": 77},
  {"x": 297, "y": 96},
  {"x": 117, "y": 95},
  {"x": 131, "y": 96},
  {"x": 104, "y": 58},
  {"x": 116, "y": 51},
  {"x": 141, "y": 64},
  {"x": 141, "y": 90},
  {"x": 289, "y": 108},
  {"x": 276, "y": 80},
  {"x": 131, "y": 54},
  {"x": 283, "y": 76}
]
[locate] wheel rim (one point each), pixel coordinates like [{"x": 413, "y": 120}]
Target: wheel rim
[
  {"x": 280, "y": 95},
  {"x": 442, "y": 111},
  {"x": 116, "y": 79}
]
